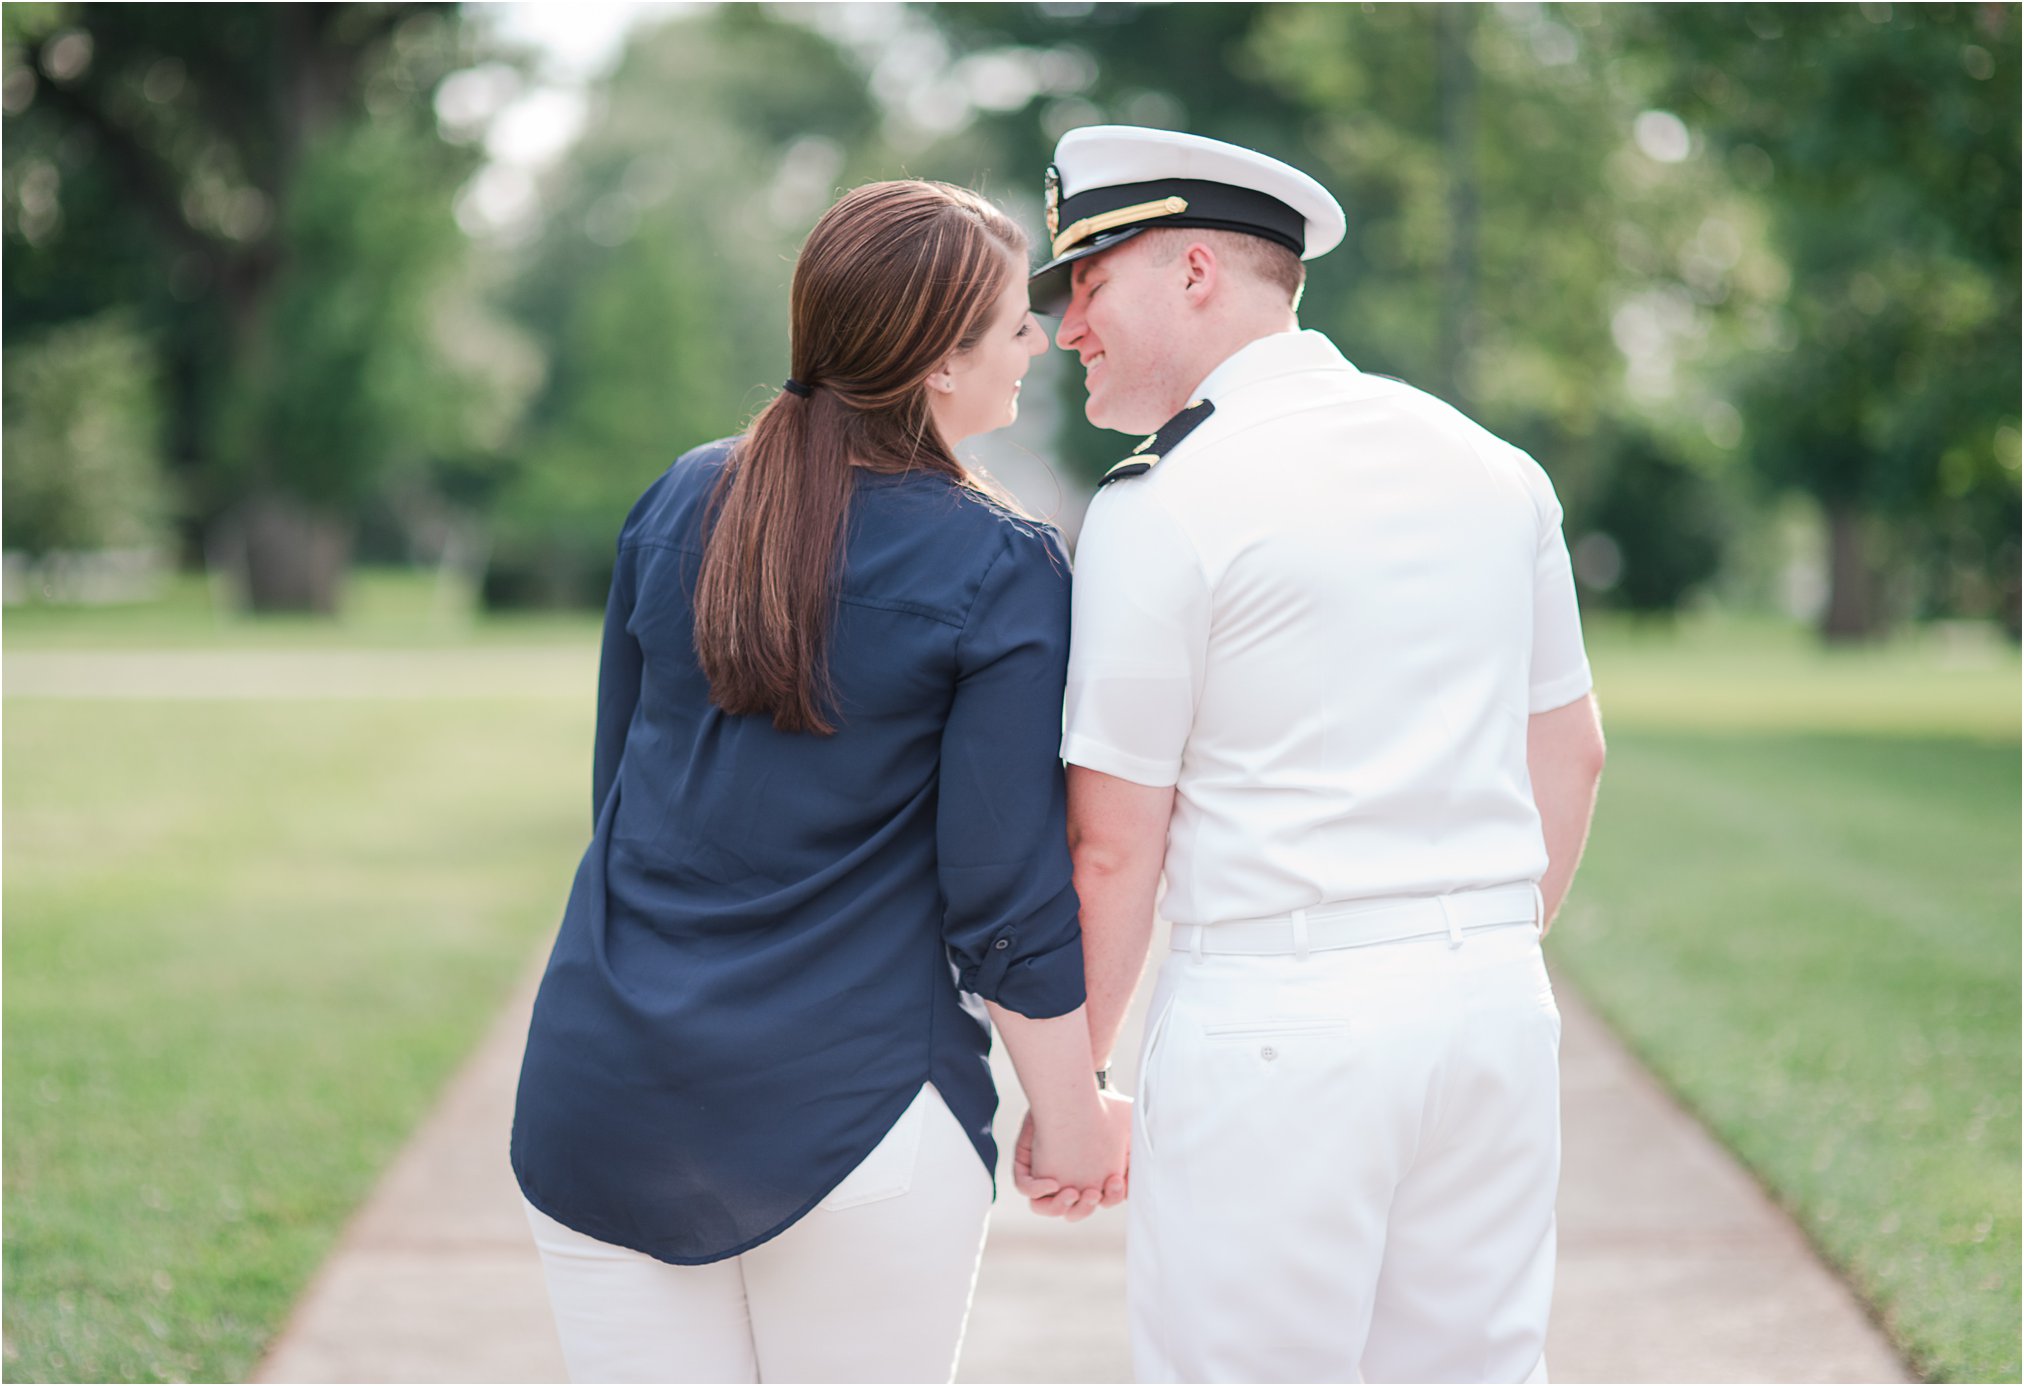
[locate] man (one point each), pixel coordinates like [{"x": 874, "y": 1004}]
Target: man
[{"x": 1327, "y": 676}]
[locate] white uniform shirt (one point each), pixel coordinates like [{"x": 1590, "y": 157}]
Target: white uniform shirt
[{"x": 1325, "y": 617}]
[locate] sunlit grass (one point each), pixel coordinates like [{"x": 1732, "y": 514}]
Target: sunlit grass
[
  {"x": 1813, "y": 937},
  {"x": 1732, "y": 674},
  {"x": 246, "y": 943},
  {"x": 382, "y": 608}
]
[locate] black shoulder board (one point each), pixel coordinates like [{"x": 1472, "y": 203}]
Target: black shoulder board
[{"x": 1160, "y": 444}]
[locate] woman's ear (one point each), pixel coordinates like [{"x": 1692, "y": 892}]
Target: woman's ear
[{"x": 943, "y": 381}]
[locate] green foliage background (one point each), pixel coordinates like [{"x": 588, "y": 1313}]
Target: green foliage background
[
  {"x": 82, "y": 416},
  {"x": 1756, "y": 251},
  {"x": 1743, "y": 277}
]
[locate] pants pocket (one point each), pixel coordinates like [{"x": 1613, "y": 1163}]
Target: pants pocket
[
  {"x": 1275, "y": 1026},
  {"x": 888, "y": 1171},
  {"x": 1149, "y": 1054}
]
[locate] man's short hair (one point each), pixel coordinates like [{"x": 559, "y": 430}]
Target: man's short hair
[{"x": 1252, "y": 256}]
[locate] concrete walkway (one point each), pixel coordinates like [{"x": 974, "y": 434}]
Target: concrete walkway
[{"x": 1674, "y": 1266}]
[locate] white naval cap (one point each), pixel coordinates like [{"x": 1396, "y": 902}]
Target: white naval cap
[{"x": 1109, "y": 182}]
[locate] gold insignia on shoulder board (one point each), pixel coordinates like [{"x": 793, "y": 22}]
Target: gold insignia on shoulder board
[
  {"x": 1150, "y": 450},
  {"x": 1131, "y": 466}
]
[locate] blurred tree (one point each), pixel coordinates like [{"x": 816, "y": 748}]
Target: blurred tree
[
  {"x": 266, "y": 183},
  {"x": 83, "y": 440},
  {"x": 1474, "y": 153},
  {"x": 1666, "y": 523},
  {"x": 1884, "y": 140},
  {"x": 660, "y": 275}
]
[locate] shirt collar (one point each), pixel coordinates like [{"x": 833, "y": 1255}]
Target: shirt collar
[{"x": 1281, "y": 353}]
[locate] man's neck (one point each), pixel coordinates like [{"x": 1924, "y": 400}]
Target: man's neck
[{"x": 1223, "y": 345}]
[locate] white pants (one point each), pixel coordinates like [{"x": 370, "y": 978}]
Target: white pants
[
  {"x": 873, "y": 1285},
  {"x": 1344, "y": 1168}
]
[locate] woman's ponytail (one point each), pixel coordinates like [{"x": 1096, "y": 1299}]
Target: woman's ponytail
[
  {"x": 768, "y": 581},
  {"x": 895, "y": 279}
]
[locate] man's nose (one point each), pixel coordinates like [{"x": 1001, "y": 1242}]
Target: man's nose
[{"x": 1070, "y": 331}]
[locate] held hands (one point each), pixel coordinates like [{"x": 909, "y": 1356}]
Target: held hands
[
  {"x": 1070, "y": 1171},
  {"x": 1070, "y": 1158}
]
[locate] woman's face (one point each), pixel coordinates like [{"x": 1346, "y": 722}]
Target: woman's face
[{"x": 977, "y": 390}]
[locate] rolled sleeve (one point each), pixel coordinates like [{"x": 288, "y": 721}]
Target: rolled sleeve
[
  {"x": 1141, "y": 637},
  {"x": 1010, "y": 912}
]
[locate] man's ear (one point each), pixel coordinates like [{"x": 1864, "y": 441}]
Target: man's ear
[{"x": 1203, "y": 273}]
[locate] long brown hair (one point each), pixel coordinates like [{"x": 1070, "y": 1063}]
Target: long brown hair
[{"x": 895, "y": 278}]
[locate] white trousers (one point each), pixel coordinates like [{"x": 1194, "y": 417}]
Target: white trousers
[
  {"x": 873, "y": 1285},
  {"x": 1344, "y": 1167}
]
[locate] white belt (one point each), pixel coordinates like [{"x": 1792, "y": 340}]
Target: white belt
[{"x": 1363, "y": 923}]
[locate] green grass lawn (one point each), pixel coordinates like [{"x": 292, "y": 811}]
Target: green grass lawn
[
  {"x": 1813, "y": 937},
  {"x": 246, "y": 944},
  {"x": 383, "y": 609},
  {"x": 1747, "y": 675}
]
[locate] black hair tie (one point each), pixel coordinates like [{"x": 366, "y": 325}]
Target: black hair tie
[{"x": 795, "y": 387}]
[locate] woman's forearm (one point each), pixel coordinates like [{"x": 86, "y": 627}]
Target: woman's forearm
[
  {"x": 1073, "y": 1152},
  {"x": 1052, "y": 1058}
]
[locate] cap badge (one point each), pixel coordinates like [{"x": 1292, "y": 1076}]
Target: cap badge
[{"x": 1053, "y": 201}]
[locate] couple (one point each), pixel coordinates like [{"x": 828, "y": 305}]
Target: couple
[{"x": 1325, "y": 676}]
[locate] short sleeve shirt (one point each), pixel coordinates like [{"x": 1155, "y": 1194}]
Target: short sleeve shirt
[{"x": 1325, "y": 617}]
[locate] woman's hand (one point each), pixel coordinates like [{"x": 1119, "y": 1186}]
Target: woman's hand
[
  {"x": 1071, "y": 1156},
  {"x": 1070, "y": 1169}
]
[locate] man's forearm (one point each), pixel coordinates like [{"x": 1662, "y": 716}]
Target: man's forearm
[
  {"x": 1117, "y": 929},
  {"x": 1564, "y": 755},
  {"x": 1117, "y": 833}
]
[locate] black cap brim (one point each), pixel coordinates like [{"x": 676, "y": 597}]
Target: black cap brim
[{"x": 1050, "y": 287}]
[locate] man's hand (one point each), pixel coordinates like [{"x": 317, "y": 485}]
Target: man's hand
[{"x": 1051, "y": 1197}]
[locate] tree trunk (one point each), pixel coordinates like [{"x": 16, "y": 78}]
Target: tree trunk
[
  {"x": 296, "y": 556},
  {"x": 1854, "y": 612}
]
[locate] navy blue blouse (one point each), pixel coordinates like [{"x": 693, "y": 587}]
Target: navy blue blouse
[{"x": 775, "y": 938}]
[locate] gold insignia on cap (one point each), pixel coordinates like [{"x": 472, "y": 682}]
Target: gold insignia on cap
[
  {"x": 1053, "y": 200},
  {"x": 1123, "y": 216}
]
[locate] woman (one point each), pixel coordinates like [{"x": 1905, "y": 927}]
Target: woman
[{"x": 754, "y": 1117}]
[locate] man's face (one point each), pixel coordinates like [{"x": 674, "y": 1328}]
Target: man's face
[{"x": 1126, "y": 323}]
